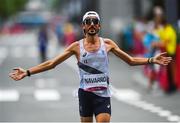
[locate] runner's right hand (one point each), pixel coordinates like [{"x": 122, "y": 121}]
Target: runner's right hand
[{"x": 18, "y": 74}]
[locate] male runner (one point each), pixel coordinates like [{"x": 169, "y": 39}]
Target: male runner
[{"x": 92, "y": 57}]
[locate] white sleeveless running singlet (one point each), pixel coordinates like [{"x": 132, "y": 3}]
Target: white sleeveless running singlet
[{"x": 94, "y": 70}]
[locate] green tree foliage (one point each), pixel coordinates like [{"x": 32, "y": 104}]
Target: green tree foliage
[{"x": 10, "y": 7}]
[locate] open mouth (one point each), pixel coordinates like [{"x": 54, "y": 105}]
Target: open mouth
[{"x": 92, "y": 30}]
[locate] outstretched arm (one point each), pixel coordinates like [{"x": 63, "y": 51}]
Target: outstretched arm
[
  {"x": 20, "y": 73},
  {"x": 160, "y": 59}
]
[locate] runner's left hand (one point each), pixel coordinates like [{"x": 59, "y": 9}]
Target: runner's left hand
[{"x": 162, "y": 59}]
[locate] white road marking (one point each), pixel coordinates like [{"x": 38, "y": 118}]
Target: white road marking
[
  {"x": 174, "y": 118},
  {"x": 9, "y": 95},
  {"x": 135, "y": 99},
  {"x": 164, "y": 113},
  {"x": 47, "y": 95},
  {"x": 127, "y": 94}
]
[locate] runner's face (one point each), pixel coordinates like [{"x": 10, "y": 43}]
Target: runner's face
[{"x": 91, "y": 26}]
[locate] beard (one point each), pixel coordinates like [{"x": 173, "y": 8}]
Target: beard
[{"x": 92, "y": 31}]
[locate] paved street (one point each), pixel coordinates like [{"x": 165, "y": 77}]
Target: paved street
[{"x": 52, "y": 96}]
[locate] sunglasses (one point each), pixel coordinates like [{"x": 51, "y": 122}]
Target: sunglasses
[{"x": 89, "y": 21}]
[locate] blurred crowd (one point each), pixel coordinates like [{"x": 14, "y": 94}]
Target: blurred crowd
[
  {"x": 65, "y": 32},
  {"x": 149, "y": 37}
]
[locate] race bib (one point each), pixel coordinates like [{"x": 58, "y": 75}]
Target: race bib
[{"x": 95, "y": 82}]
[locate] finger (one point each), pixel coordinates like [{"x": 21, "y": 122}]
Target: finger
[
  {"x": 13, "y": 77},
  {"x": 19, "y": 78},
  {"x": 16, "y": 78},
  {"x": 14, "y": 72},
  {"x": 166, "y": 62},
  {"x": 10, "y": 75},
  {"x": 16, "y": 68},
  {"x": 168, "y": 57},
  {"x": 164, "y": 53}
]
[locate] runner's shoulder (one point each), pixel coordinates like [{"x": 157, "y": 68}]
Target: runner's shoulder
[
  {"x": 74, "y": 46},
  {"x": 108, "y": 41}
]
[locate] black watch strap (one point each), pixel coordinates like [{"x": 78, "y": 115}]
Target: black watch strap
[{"x": 28, "y": 73}]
